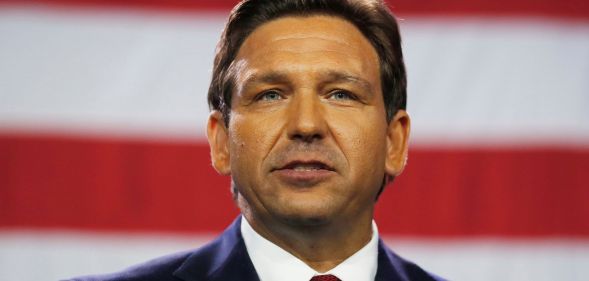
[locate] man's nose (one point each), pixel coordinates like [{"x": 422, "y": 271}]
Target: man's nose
[{"x": 306, "y": 120}]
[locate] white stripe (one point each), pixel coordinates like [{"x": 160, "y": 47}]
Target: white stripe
[
  {"x": 52, "y": 255},
  {"x": 58, "y": 255},
  {"x": 497, "y": 80},
  {"x": 498, "y": 259},
  {"x": 106, "y": 71},
  {"x": 479, "y": 80}
]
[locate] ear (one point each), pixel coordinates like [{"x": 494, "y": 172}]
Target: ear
[
  {"x": 397, "y": 143},
  {"x": 219, "y": 143}
]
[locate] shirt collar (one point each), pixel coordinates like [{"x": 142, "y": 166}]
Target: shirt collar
[{"x": 274, "y": 263}]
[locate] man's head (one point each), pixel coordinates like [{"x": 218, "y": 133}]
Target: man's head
[
  {"x": 308, "y": 103},
  {"x": 371, "y": 17}
]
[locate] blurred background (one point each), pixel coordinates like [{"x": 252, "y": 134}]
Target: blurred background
[{"x": 104, "y": 161}]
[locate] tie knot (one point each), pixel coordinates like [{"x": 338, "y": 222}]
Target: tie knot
[{"x": 326, "y": 277}]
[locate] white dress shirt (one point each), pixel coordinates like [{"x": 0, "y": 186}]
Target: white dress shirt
[{"x": 273, "y": 263}]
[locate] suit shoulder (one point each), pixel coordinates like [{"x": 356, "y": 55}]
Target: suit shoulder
[
  {"x": 161, "y": 268},
  {"x": 415, "y": 272},
  {"x": 197, "y": 263},
  {"x": 408, "y": 270}
]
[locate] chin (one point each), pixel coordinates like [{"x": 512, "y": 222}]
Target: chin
[
  {"x": 306, "y": 216},
  {"x": 306, "y": 221}
]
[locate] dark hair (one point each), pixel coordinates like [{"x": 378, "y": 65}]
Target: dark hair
[{"x": 371, "y": 17}]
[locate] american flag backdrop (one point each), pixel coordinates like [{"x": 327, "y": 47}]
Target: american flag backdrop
[{"x": 104, "y": 161}]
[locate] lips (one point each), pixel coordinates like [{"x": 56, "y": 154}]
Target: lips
[
  {"x": 304, "y": 173},
  {"x": 306, "y": 166}
]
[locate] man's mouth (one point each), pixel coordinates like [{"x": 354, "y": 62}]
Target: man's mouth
[
  {"x": 301, "y": 166},
  {"x": 304, "y": 173}
]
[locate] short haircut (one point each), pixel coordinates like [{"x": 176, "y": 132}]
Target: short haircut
[{"x": 371, "y": 17}]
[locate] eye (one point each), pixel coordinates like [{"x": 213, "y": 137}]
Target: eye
[
  {"x": 270, "y": 95},
  {"x": 341, "y": 95}
]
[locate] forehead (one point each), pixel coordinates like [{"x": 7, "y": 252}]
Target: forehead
[{"x": 298, "y": 43}]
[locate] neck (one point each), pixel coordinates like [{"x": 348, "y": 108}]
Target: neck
[{"x": 321, "y": 246}]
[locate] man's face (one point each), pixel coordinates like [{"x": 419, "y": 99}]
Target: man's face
[{"x": 308, "y": 141}]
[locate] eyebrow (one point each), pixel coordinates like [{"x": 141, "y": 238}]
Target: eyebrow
[
  {"x": 338, "y": 77},
  {"x": 273, "y": 77},
  {"x": 328, "y": 77}
]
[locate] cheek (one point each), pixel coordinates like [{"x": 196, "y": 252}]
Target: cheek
[
  {"x": 251, "y": 139},
  {"x": 364, "y": 146}
]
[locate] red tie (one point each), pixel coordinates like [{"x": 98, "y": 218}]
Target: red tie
[{"x": 326, "y": 277}]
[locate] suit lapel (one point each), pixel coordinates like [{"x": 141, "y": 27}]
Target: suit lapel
[
  {"x": 226, "y": 258},
  {"x": 389, "y": 268}
]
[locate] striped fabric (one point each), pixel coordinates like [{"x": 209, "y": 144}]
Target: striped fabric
[{"x": 104, "y": 161}]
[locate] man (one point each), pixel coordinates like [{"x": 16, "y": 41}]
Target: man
[{"x": 308, "y": 118}]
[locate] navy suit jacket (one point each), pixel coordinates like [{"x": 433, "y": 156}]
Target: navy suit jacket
[{"x": 226, "y": 259}]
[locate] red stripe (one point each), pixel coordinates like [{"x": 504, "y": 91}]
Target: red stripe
[
  {"x": 500, "y": 192},
  {"x": 544, "y": 8},
  {"x": 125, "y": 185}
]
